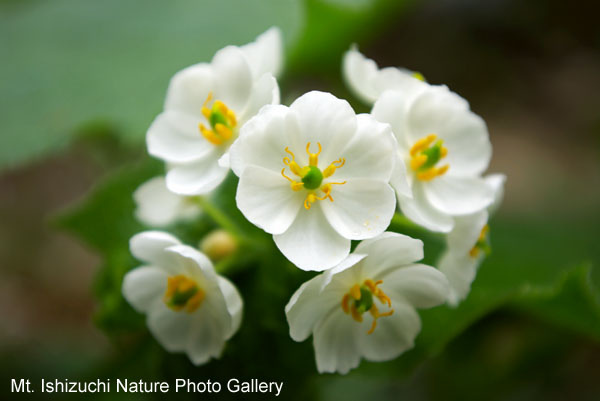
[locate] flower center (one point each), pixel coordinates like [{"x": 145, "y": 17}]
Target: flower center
[
  {"x": 424, "y": 156},
  {"x": 222, "y": 122},
  {"x": 482, "y": 243},
  {"x": 311, "y": 177},
  {"x": 360, "y": 300},
  {"x": 183, "y": 293}
]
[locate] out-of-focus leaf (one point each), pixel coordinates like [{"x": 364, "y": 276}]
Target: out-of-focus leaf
[
  {"x": 333, "y": 25},
  {"x": 66, "y": 62},
  {"x": 105, "y": 221}
]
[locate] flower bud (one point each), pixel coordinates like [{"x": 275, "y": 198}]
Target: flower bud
[{"x": 218, "y": 244}]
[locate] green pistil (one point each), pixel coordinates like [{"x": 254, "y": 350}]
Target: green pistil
[
  {"x": 181, "y": 298},
  {"x": 313, "y": 178},
  {"x": 434, "y": 154},
  {"x": 217, "y": 117},
  {"x": 366, "y": 300}
]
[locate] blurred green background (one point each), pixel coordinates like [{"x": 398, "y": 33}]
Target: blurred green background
[{"x": 82, "y": 80}]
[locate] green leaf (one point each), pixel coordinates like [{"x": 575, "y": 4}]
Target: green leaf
[
  {"x": 105, "y": 221},
  {"x": 68, "y": 62}
]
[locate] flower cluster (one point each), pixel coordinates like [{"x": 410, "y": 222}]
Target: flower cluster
[{"x": 316, "y": 176}]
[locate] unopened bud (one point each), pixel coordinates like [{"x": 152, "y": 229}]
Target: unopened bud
[{"x": 218, "y": 244}]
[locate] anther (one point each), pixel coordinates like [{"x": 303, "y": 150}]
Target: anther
[{"x": 313, "y": 158}]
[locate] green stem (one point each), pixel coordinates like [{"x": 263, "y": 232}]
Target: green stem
[{"x": 220, "y": 218}]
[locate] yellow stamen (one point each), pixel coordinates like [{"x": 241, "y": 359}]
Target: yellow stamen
[
  {"x": 310, "y": 199},
  {"x": 417, "y": 161},
  {"x": 422, "y": 144},
  {"x": 183, "y": 293},
  {"x": 424, "y": 157},
  {"x": 376, "y": 315},
  {"x": 328, "y": 172},
  {"x": 296, "y": 186},
  {"x": 311, "y": 176},
  {"x": 294, "y": 167},
  {"x": 205, "y": 110},
  {"x": 221, "y": 131},
  {"x": 433, "y": 172},
  {"x": 313, "y": 158},
  {"x": 355, "y": 292},
  {"x": 474, "y": 252},
  {"x": 345, "y": 301},
  {"x": 355, "y": 314},
  {"x": 419, "y": 76},
  {"x": 209, "y": 135},
  {"x": 353, "y": 304}
]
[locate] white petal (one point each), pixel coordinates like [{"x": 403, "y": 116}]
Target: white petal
[
  {"x": 361, "y": 208},
  {"x": 389, "y": 250},
  {"x": 400, "y": 80},
  {"x": 399, "y": 179},
  {"x": 233, "y": 78},
  {"x": 393, "y": 335},
  {"x": 359, "y": 73},
  {"x": 460, "y": 270},
  {"x": 336, "y": 343},
  {"x": 343, "y": 276},
  {"x": 235, "y": 305},
  {"x": 264, "y": 91},
  {"x": 432, "y": 110},
  {"x": 143, "y": 286},
  {"x": 208, "y": 333},
  {"x": 465, "y": 135},
  {"x": 458, "y": 195},
  {"x": 496, "y": 182},
  {"x": 392, "y": 108},
  {"x": 307, "y": 307},
  {"x": 311, "y": 243},
  {"x": 421, "y": 212},
  {"x": 150, "y": 246},
  {"x": 263, "y": 140},
  {"x": 265, "y": 54},
  {"x": 196, "y": 178},
  {"x": 224, "y": 160},
  {"x": 466, "y": 232},
  {"x": 420, "y": 285},
  {"x": 323, "y": 119},
  {"x": 170, "y": 328},
  {"x": 195, "y": 264},
  {"x": 175, "y": 137},
  {"x": 267, "y": 200},
  {"x": 157, "y": 206},
  {"x": 370, "y": 153},
  {"x": 189, "y": 89}
]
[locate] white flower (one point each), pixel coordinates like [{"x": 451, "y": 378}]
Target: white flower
[
  {"x": 368, "y": 82},
  {"x": 205, "y": 108},
  {"x": 315, "y": 175},
  {"x": 189, "y": 307},
  {"x": 444, "y": 146},
  {"x": 445, "y": 149},
  {"x": 157, "y": 206},
  {"x": 365, "y": 306},
  {"x": 467, "y": 245}
]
